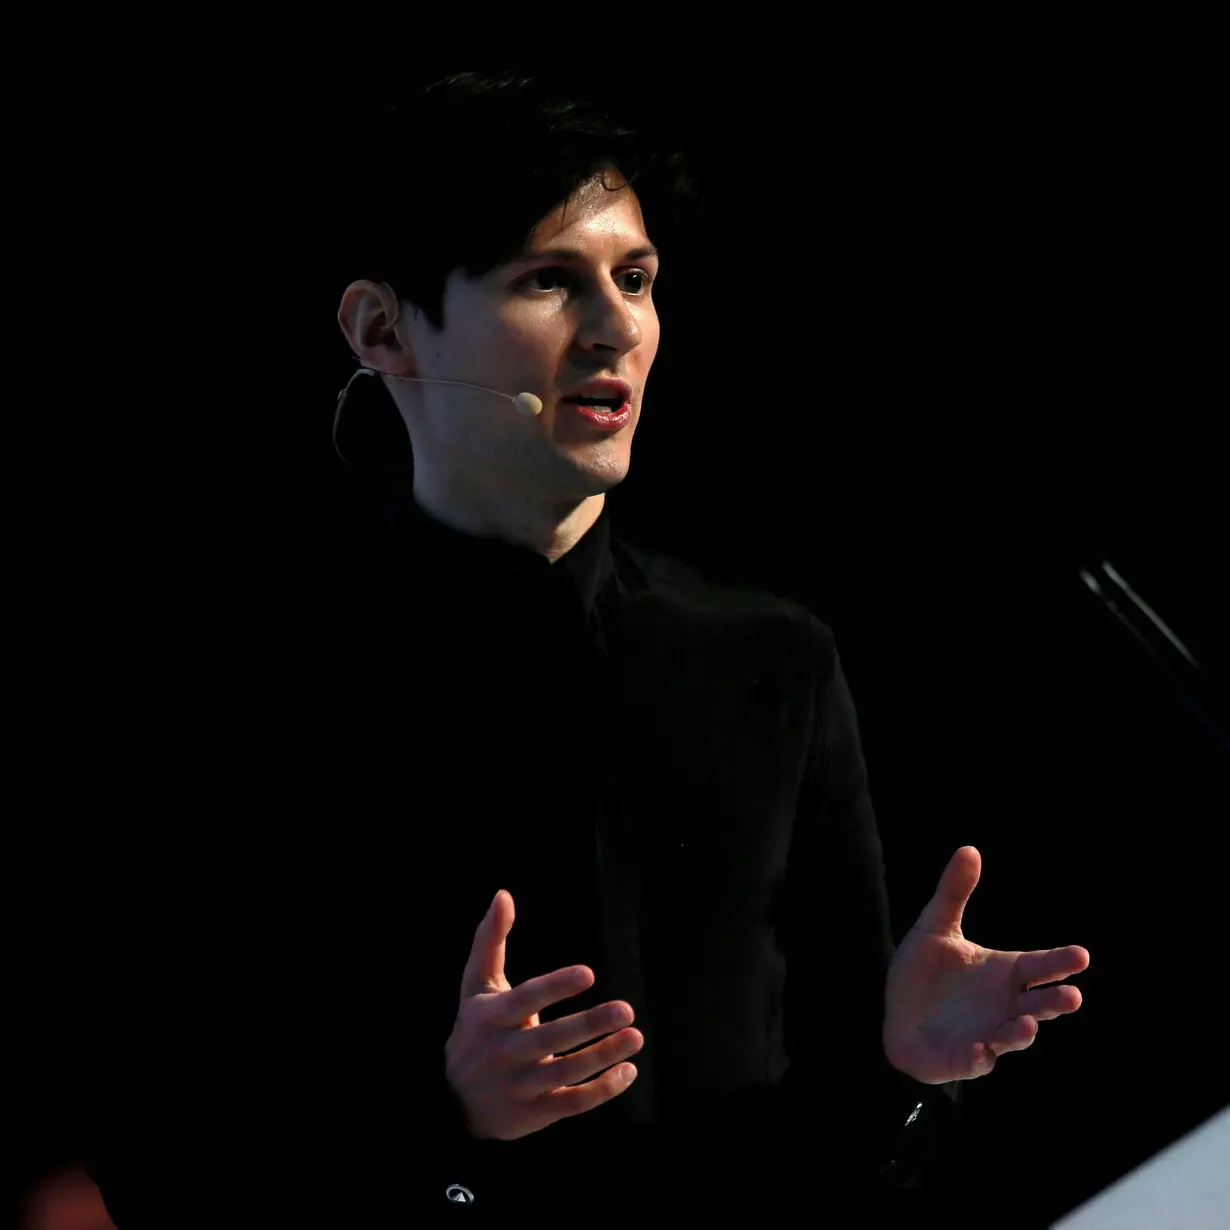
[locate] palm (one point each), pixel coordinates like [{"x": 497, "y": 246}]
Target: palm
[
  {"x": 951, "y": 1006},
  {"x": 498, "y": 985}
]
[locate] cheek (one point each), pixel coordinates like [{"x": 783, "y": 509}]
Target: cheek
[
  {"x": 534, "y": 343},
  {"x": 651, "y": 331},
  {"x": 649, "y": 347}
]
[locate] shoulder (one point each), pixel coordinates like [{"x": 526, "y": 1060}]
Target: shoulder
[{"x": 694, "y": 596}]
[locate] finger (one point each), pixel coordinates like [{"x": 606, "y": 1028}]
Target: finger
[
  {"x": 1049, "y": 1002},
  {"x": 1052, "y": 964},
  {"x": 568, "y": 1070},
  {"x": 1016, "y": 1035},
  {"x": 571, "y": 1032},
  {"x": 485, "y": 964},
  {"x": 530, "y": 997},
  {"x": 984, "y": 1057},
  {"x": 577, "y": 1099}
]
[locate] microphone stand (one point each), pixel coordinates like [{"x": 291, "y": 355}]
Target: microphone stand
[{"x": 1195, "y": 688}]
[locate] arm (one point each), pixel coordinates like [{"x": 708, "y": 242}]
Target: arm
[{"x": 835, "y": 931}]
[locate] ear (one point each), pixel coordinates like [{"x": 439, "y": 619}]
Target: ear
[{"x": 368, "y": 317}]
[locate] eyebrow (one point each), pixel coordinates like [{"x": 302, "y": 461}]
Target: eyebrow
[{"x": 571, "y": 254}]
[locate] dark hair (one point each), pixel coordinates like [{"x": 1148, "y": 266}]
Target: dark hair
[{"x": 479, "y": 160}]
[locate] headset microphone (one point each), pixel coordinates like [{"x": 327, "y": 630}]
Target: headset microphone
[{"x": 527, "y": 403}]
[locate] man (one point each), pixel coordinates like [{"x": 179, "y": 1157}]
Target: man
[{"x": 539, "y": 873}]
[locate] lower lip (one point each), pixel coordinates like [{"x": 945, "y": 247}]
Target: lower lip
[{"x": 607, "y": 422}]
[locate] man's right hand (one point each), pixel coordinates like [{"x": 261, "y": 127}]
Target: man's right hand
[{"x": 506, "y": 1068}]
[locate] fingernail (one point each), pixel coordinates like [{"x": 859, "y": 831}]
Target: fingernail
[{"x": 628, "y": 1072}]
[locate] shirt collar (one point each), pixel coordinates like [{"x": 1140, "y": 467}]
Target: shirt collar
[{"x": 583, "y": 571}]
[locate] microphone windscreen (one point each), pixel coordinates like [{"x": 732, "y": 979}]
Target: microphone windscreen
[{"x": 528, "y": 404}]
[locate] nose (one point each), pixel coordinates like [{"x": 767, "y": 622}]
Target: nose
[{"x": 613, "y": 323}]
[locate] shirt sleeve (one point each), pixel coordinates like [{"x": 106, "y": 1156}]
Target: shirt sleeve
[
  {"x": 283, "y": 1176},
  {"x": 840, "y": 1100},
  {"x": 455, "y": 1168}
]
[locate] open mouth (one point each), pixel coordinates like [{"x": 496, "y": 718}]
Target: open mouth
[{"x": 608, "y": 404}]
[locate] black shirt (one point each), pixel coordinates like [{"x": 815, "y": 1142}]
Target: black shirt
[{"x": 314, "y": 785}]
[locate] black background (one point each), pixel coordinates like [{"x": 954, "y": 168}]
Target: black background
[{"x": 951, "y": 321}]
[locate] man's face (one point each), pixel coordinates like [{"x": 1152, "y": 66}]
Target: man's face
[{"x": 543, "y": 325}]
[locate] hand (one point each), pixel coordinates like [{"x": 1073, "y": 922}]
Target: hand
[
  {"x": 951, "y": 1008},
  {"x": 505, "y": 1067}
]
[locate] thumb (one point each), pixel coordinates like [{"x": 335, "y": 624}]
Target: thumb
[
  {"x": 485, "y": 966},
  {"x": 944, "y": 913}
]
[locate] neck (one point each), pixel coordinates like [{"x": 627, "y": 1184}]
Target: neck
[{"x": 550, "y": 532}]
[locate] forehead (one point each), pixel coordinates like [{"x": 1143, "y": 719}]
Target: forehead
[{"x": 594, "y": 217}]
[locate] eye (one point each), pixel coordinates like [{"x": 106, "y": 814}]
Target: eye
[{"x": 558, "y": 274}]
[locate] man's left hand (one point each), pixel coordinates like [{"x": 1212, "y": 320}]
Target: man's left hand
[{"x": 951, "y": 1008}]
